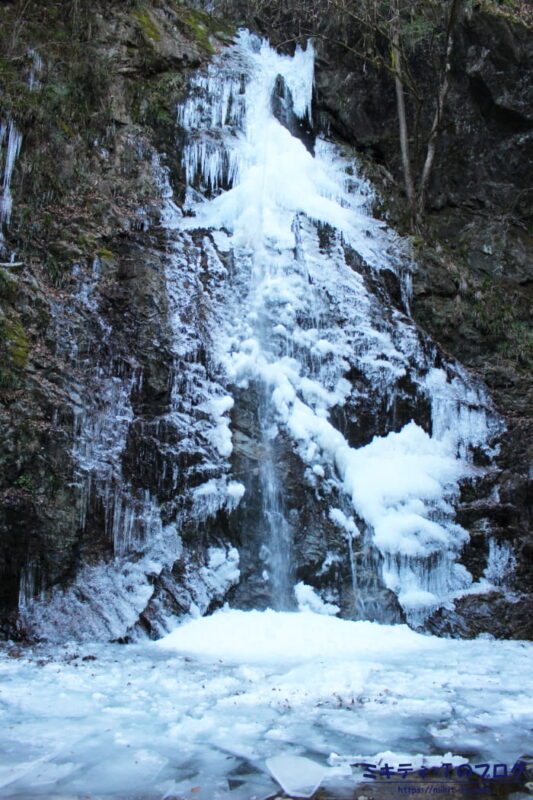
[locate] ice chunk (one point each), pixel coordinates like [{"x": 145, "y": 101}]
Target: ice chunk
[
  {"x": 309, "y": 600},
  {"x": 301, "y": 777}
]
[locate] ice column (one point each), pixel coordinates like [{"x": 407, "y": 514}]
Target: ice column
[{"x": 10, "y": 143}]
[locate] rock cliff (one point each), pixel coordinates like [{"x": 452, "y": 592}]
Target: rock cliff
[{"x": 107, "y": 421}]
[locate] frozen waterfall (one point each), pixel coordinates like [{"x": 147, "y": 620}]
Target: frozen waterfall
[
  {"x": 305, "y": 323},
  {"x": 302, "y": 447},
  {"x": 308, "y": 442}
]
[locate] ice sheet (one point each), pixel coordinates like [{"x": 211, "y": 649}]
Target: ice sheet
[{"x": 204, "y": 708}]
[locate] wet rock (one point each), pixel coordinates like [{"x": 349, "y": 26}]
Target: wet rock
[
  {"x": 282, "y": 108},
  {"x": 504, "y": 616}
]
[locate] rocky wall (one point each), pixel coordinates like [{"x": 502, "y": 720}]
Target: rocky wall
[{"x": 85, "y": 309}]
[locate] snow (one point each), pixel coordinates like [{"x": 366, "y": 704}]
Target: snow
[
  {"x": 271, "y": 637},
  {"x": 221, "y": 572},
  {"x": 205, "y": 707},
  {"x": 220, "y": 435},
  {"x": 308, "y": 599}
]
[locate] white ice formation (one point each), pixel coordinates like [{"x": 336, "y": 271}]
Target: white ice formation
[{"x": 300, "y": 317}]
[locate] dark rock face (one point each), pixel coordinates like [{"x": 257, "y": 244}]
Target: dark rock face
[
  {"x": 496, "y": 510},
  {"x": 480, "y": 212},
  {"x": 282, "y": 108},
  {"x": 486, "y": 138}
]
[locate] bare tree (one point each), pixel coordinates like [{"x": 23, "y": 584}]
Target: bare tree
[
  {"x": 393, "y": 28},
  {"x": 384, "y": 33},
  {"x": 455, "y": 8}
]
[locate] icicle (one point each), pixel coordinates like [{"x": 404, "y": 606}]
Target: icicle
[
  {"x": 13, "y": 139},
  {"x": 30, "y": 585},
  {"x": 35, "y": 70},
  {"x": 461, "y": 412},
  {"x": 501, "y": 563}
]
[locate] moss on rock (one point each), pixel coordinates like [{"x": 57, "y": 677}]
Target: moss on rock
[
  {"x": 204, "y": 28},
  {"x": 15, "y": 342},
  {"x": 148, "y": 25}
]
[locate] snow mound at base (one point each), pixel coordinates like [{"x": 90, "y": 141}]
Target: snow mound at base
[{"x": 282, "y": 637}]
